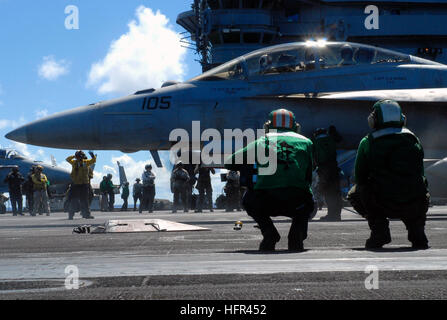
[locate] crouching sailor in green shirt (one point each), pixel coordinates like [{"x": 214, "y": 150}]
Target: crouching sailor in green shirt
[
  {"x": 282, "y": 192},
  {"x": 389, "y": 177}
]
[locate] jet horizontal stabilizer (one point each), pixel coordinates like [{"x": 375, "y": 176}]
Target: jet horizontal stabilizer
[{"x": 156, "y": 157}]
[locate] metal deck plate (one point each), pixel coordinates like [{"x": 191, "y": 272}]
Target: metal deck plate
[{"x": 145, "y": 225}]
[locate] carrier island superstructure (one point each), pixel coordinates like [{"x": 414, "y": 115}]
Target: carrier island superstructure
[{"x": 220, "y": 30}]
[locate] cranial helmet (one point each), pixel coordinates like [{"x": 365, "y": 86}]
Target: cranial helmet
[
  {"x": 80, "y": 153},
  {"x": 386, "y": 113},
  {"x": 281, "y": 119},
  {"x": 265, "y": 61},
  {"x": 346, "y": 52},
  {"x": 148, "y": 166},
  {"x": 320, "y": 131}
]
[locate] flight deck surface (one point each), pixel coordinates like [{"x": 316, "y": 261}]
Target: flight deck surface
[{"x": 220, "y": 263}]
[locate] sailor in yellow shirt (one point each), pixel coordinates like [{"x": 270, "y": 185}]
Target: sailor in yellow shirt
[
  {"x": 80, "y": 187},
  {"x": 40, "y": 195}
]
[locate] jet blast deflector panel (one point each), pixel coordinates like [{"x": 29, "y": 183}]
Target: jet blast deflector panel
[{"x": 145, "y": 225}]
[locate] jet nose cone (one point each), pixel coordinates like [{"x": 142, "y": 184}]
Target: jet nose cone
[
  {"x": 71, "y": 129},
  {"x": 18, "y": 135}
]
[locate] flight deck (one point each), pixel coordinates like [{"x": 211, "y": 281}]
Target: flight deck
[{"x": 39, "y": 253}]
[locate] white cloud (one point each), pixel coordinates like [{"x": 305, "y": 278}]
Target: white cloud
[
  {"x": 23, "y": 149},
  {"x": 41, "y": 113},
  {"x": 146, "y": 56},
  {"x": 109, "y": 169},
  {"x": 38, "y": 154},
  {"x": 11, "y": 124},
  {"x": 50, "y": 69}
]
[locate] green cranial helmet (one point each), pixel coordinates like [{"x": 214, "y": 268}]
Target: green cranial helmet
[
  {"x": 386, "y": 113},
  {"x": 281, "y": 119}
]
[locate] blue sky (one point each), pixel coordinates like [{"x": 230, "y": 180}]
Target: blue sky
[{"x": 45, "y": 68}]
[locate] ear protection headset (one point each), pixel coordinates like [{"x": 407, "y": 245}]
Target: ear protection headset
[{"x": 376, "y": 117}]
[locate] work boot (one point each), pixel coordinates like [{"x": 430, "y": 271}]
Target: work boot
[
  {"x": 269, "y": 242},
  {"x": 90, "y": 217},
  {"x": 295, "y": 241},
  {"x": 329, "y": 218},
  {"x": 174, "y": 211},
  {"x": 380, "y": 233},
  {"x": 297, "y": 234},
  {"x": 211, "y": 210},
  {"x": 418, "y": 238},
  {"x": 70, "y": 217},
  {"x": 377, "y": 241},
  {"x": 296, "y": 246}
]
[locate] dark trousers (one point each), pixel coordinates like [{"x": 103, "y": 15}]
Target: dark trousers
[
  {"x": 30, "y": 202},
  {"x": 329, "y": 188},
  {"x": 377, "y": 212},
  {"x": 137, "y": 197},
  {"x": 261, "y": 205},
  {"x": 80, "y": 194},
  {"x": 111, "y": 200},
  {"x": 16, "y": 203},
  {"x": 148, "y": 199},
  {"x": 124, "y": 206},
  {"x": 181, "y": 193},
  {"x": 233, "y": 198},
  {"x": 208, "y": 190}
]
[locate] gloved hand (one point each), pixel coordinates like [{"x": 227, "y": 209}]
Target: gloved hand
[{"x": 92, "y": 155}]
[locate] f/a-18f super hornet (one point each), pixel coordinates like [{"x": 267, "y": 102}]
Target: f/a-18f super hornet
[
  {"x": 321, "y": 82},
  {"x": 10, "y": 158}
]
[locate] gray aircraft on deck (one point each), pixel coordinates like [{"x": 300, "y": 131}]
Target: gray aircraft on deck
[
  {"x": 10, "y": 158},
  {"x": 321, "y": 82}
]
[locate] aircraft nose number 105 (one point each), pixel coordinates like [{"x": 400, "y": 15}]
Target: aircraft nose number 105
[{"x": 156, "y": 103}]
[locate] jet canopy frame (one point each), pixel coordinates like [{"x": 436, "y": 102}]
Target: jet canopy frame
[
  {"x": 305, "y": 56},
  {"x": 11, "y": 154}
]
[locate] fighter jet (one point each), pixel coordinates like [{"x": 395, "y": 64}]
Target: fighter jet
[
  {"x": 321, "y": 82},
  {"x": 10, "y": 158}
]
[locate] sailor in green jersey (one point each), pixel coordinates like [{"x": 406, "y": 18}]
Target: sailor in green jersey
[
  {"x": 389, "y": 177},
  {"x": 286, "y": 191}
]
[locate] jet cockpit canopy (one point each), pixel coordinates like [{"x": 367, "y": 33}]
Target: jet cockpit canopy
[
  {"x": 10, "y": 154},
  {"x": 306, "y": 56}
]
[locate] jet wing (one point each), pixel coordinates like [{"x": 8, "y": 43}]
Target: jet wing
[
  {"x": 4, "y": 167},
  {"x": 403, "y": 95},
  {"x": 406, "y": 96}
]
